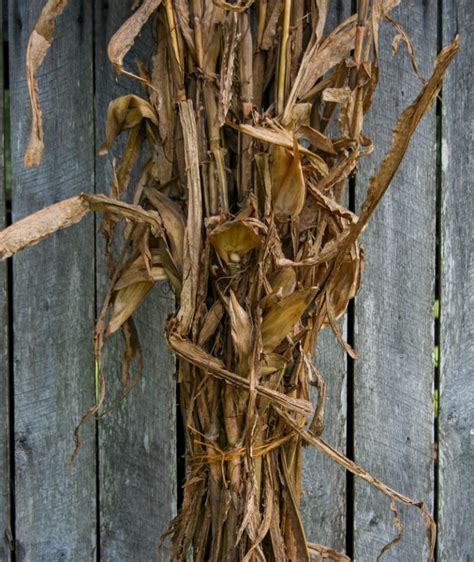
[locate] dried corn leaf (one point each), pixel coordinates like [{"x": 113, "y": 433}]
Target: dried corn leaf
[
  {"x": 210, "y": 322},
  {"x": 327, "y": 553},
  {"x": 123, "y": 39},
  {"x": 138, "y": 271},
  {"x": 316, "y": 138},
  {"x": 34, "y": 228},
  {"x": 125, "y": 112},
  {"x": 126, "y": 302},
  {"x": 280, "y": 320},
  {"x": 337, "y": 95},
  {"x": 289, "y": 192},
  {"x": 281, "y": 138},
  {"x": 273, "y": 362},
  {"x": 283, "y": 280},
  {"x": 173, "y": 223},
  {"x": 233, "y": 240},
  {"x": 318, "y": 60},
  {"x": 38, "y": 226},
  {"x": 240, "y": 327},
  {"x": 39, "y": 43},
  {"x": 403, "y": 132},
  {"x": 345, "y": 284}
]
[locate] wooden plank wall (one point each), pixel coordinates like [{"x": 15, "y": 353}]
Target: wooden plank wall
[
  {"x": 137, "y": 440},
  {"x": 456, "y": 412},
  {"x": 5, "y": 507},
  {"x": 53, "y": 298},
  {"x": 394, "y": 375},
  {"x": 123, "y": 491}
]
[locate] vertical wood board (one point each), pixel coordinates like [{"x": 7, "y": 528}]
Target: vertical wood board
[
  {"x": 5, "y": 507},
  {"x": 456, "y": 401},
  {"x": 53, "y": 297},
  {"x": 138, "y": 438},
  {"x": 393, "y": 376}
]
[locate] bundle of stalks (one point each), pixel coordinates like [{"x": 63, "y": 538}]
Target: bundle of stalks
[{"x": 253, "y": 121}]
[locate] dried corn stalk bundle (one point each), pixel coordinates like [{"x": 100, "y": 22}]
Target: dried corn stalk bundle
[{"x": 253, "y": 121}]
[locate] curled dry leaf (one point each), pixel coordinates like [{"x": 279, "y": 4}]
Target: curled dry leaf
[
  {"x": 34, "y": 228},
  {"x": 233, "y": 240},
  {"x": 345, "y": 284},
  {"x": 38, "y": 226},
  {"x": 126, "y": 302},
  {"x": 39, "y": 43},
  {"x": 282, "y": 317},
  {"x": 173, "y": 223},
  {"x": 283, "y": 280},
  {"x": 138, "y": 272},
  {"x": 241, "y": 328},
  {"x": 288, "y": 184},
  {"x": 282, "y": 138},
  {"x": 124, "y": 38},
  {"x": 125, "y": 112},
  {"x": 337, "y": 95}
]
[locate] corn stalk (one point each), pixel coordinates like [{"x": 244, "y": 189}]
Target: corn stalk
[{"x": 253, "y": 120}]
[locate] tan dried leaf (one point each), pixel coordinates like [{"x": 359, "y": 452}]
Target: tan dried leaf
[
  {"x": 39, "y": 43},
  {"x": 281, "y": 138},
  {"x": 233, "y": 240},
  {"x": 126, "y": 302},
  {"x": 173, "y": 223},
  {"x": 38, "y": 226},
  {"x": 123, "y": 39},
  {"x": 283, "y": 280},
  {"x": 316, "y": 138},
  {"x": 337, "y": 95},
  {"x": 138, "y": 271},
  {"x": 288, "y": 185},
  {"x": 125, "y": 112},
  {"x": 241, "y": 328},
  {"x": 282, "y": 317}
]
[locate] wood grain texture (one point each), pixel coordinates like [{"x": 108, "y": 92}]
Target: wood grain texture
[
  {"x": 393, "y": 377},
  {"x": 456, "y": 413},
  {"x": 53, "y": 298},
  {"x": 5, "y": 480},
  {"x": 324, "y": 485},
  {"x": 137, "y": 439}
]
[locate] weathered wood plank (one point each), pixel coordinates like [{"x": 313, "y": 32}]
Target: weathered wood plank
[
  {"x": 393, "y": 377},
  {"x": 323, "y": 504},
  {"x": 5, "y": 507},
  {"x": 324, "y": 485},
  {"x": 456, "y": 412},
  {"x": 53, "y": 298},
  {"x": 137, "y": 439}
]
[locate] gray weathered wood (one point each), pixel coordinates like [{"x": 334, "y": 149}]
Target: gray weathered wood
[
  {"x": 53, "y": 298},
  {"x": 323, "y": 504},
  {"x": 137, "y": 439},
  {"x": 324, "y": 485},
  {"x": 5, "y": 514},
  {"x": 456, "y": 413},
  {"x": 393, "y": 377}
]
